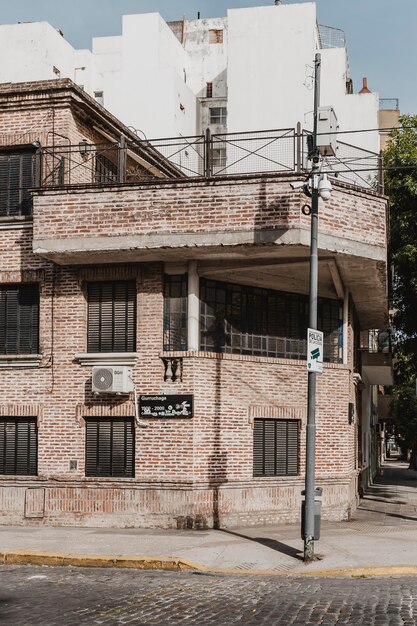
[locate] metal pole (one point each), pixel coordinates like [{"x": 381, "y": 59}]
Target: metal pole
[{"x": 311, "y": 392}]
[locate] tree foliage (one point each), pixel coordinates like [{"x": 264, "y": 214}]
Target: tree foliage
[{"x": 401, "y": 188}]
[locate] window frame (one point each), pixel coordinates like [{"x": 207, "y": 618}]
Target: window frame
[
  {"x": 218, "y": 118},
  {"x": 175, "y": 322},
  {"x": 16, "y": 201},
  {"x": 14, "y": 327},
  {"x": 94, "y": 426},
  {"x": 255, "y": 321},
  {"x": 113, "y": 338},
  {"x": 31, "y": 463},
  {"x": 283, "y": 452}
]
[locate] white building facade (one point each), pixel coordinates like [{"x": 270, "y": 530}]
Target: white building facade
[{"x": 248, "y": 71}]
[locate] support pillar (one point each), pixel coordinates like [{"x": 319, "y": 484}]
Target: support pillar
[{"x": 193, "y": 310}]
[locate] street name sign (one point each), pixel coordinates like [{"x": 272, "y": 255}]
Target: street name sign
[{"x": 314, "y": 350}]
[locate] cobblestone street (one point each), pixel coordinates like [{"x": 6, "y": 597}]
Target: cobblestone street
[{"x": 32, "y": 595}]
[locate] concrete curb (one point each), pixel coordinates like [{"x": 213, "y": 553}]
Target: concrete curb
[{"x": 25, "y": 557}]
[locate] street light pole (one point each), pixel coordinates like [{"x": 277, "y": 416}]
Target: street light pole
[{"x": 311, "y": 393}]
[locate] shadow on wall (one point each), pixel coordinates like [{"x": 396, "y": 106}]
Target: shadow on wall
[
  {"x": 274, "y": 218},
  {"x": 217, "y": 464}
]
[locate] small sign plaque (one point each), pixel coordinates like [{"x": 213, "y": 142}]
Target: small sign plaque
[
  {"x": 314, "y": 350},
  {"x": 160, "y": 405}
]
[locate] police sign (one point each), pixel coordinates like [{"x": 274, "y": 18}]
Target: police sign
[{"x": 314, "y": 350}]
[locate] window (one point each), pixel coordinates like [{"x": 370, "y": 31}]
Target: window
[
  {"x": 99, "y": 96},
  {"x": 218, "y": 115},
  {"x": 218, "y": 159},
  {"x": 240, "y": 319},
  {"x": 106, "y": 171},
  {"x": 209, "y": 91},
  {"x": 215, "y": 36},
  {"x": 275, "y": 447},
  {"x": 19, "y": 319},
  {"x": 16, "y": 178},
  {"x": 109, "y": 447},
  {"x": 175, "y": 312},
  {"x": 18, "y": 446},
  {"x": 111, "y": 316}
]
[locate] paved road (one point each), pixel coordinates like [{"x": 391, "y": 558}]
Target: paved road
[{"x": 50, "y": 596}]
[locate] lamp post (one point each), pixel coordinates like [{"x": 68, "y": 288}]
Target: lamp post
[
  {"x": 317, "y": 185},
  {"x": 313, "y": 294}
]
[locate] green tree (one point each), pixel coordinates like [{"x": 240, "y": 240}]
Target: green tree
[
  {"x": 404, "y": 415},
  {"x": 401, "y": 188}
]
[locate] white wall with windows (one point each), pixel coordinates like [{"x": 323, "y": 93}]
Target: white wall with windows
[{"x": 256, "y": 65}]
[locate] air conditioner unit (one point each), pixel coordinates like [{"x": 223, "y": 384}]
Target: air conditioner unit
[{"x": 108, "y": 379}]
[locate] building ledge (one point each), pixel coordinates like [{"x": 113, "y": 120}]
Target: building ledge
[
  {"x": 20, "y": 360},
  {"x": 107, "y": 358},
  {"x": 226, "y": 356}
]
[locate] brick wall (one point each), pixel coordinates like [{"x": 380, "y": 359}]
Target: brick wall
[
  {"x": 207, "y": 208},
  {"x": 189, "y": 472}
]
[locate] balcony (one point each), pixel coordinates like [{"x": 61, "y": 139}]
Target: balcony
[
  {"x": 383, "y": 407},
  {"x": 376, "y": 358},
  {"x": 97, "y": 204}
]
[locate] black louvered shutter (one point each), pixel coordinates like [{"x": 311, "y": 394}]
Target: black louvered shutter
[
  {"x": 275, "y": 448},
  {"x": 111, "y": 316},
  {"x": 19, "y": 319},
  {"x": 109, "y": 447},
  {"x": 18, "y": 446},
  {"x": 16, "y": 178}
]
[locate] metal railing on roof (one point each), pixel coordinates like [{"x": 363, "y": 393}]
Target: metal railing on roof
[
  {"x": 202, "y": 156},
  {"x": 330, "y": 37},
  {"x": 389, "y": 104}
]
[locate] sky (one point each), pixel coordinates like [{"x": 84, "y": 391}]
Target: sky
[{"x": 381, "y": 34}]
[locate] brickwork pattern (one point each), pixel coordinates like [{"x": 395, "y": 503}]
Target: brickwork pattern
[
  {"x": 189, "y": 472},
  {"x": 201, "y": 207}
]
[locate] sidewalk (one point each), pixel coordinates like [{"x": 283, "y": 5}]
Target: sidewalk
[{"x": 382, "y": 534}]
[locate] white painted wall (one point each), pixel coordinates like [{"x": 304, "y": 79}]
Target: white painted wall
[
  {"x": 31, "y": 50},
  {"x": 262, "y": 70},
  {"x": 354, "y": 111},
  {"x": 154, "y": 95},
  {"x": 206, "y": 62},
  {"x": 271, "y": 51}
]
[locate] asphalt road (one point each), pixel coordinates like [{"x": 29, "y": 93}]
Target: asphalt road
[{"x": 71, "y": 596}]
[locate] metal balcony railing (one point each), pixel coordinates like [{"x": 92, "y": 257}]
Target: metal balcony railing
[
  {"x": 330, "y": 37},
  {"x": 201, "y": 156}
]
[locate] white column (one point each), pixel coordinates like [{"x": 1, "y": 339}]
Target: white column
[
  {"x": 193, "y": 333},
  {"x": 345, "y": 326}
]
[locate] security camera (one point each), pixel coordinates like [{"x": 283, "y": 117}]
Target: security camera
[
  {"x": 297, "y": 185},
  {"x": 325, "y": 188}
]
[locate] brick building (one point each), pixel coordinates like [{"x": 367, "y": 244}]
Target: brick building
[{"x": 112, "y": 257}]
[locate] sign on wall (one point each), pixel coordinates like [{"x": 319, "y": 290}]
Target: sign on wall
[
  {"x": 166, "y": 406},
  {"x": 314, "y": 350}
]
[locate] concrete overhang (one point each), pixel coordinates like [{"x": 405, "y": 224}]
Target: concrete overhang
[
  {"x": 258, "y": 258},
  {"x": 377, "y": 368}
]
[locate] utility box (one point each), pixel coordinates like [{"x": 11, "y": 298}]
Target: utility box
[
  {"x": 326, "y": 131},
  {"x": 317, "y": 514}
]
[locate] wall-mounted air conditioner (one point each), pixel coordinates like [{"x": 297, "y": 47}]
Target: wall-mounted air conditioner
[{"x": 108, "y": 379}]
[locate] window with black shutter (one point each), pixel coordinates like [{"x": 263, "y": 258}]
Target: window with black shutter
[
  {"x": 19, "y": 319},
  {"x": 275, "y": 447},
  {"x": 18, "y": 446},
  {"x": 109, "y": 447},
  {"x": 16, "y": 178},
  {"x": 111, "y": 316}
]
